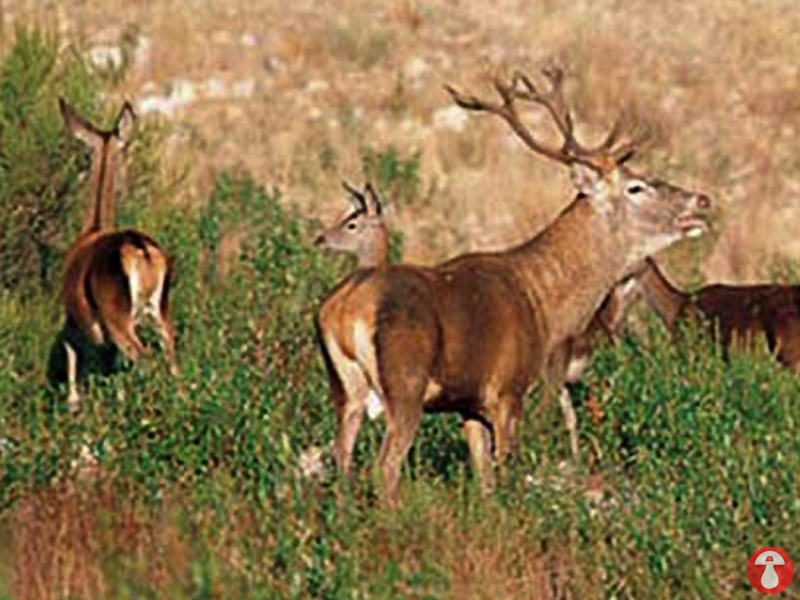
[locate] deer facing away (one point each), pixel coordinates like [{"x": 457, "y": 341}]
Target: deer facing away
[
  {"x": 737, "y": 314},
  {"x": 111, "y": 277},
  {"x": 474, "y": 334}
]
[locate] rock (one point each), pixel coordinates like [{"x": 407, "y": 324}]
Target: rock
[
  {"x": 105, "y": 56},
  {"x": 317, "y": 85},
  {"x": 244, "y": 88},
  {"x": 451, "y": 117},
  {"x": 415, "y": 68},
  {"x": 311, "y": 463},
  {"x": 214, "y": 87}
]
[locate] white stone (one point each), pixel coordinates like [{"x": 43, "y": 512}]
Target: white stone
[
  {"x": 244, "y": 88},
  {"x": 415, "y": 68},
  {"x": 450, "y": 117},
  {"x": 105, "y": 56},
  {"x": 214, "y": 87}
]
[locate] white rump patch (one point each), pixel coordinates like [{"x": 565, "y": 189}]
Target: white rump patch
[
  {"x": 133, "y": 279},
  {"x": 374, "y": 405}
]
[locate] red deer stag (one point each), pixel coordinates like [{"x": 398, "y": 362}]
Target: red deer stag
[
  {"x": 111, "y": 277},
  {"x": 735, "y": 314},
  {"x": 364, "y": 234},
  {"x": 474, "y": 334}
]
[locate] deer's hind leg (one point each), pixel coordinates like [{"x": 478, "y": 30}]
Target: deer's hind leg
[
  {"x": 158, "y": 307},
  {"x": 350, "y": 389},
  {"x": 479, "y": 440}
]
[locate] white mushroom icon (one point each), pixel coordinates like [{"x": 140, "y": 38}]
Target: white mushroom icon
[{"x": 770, "y": 559}]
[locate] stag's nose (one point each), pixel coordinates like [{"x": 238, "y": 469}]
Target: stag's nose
[
  {"x": 703, "y": 202},
  {"x": 319, "y": 240}
]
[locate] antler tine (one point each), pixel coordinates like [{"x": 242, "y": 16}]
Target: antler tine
[
  {"x": 555, "y": 104},
  {"x": 472, "y": 102},
  {"x": 508, "y": 93},
  {"x": 642, "y": 135}
]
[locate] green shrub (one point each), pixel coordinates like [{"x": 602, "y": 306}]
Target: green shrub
[{"x": 39, "y": 181}]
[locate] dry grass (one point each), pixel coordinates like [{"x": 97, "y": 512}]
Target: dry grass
[{"x": 718, "y": 78}]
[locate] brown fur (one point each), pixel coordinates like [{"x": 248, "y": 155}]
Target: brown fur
[
  {"x": 474, "y": 334},
  {"x": 110, "y": 276},
  {"x": 734, "y": 314}
]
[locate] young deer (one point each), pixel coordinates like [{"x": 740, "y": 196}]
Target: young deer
[
  {"x": 474, "y": 334},
  {"x": 737, "y": 314},
  {"x": 111, "y": 277},
  {"x": 363, "y": 233}
]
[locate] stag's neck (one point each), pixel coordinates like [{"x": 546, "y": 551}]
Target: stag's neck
[
  {"x": 661, "y": 296},
  {"x": 376, "y": 253},
  {"x": 569, "y": 268},
  {"x": 101, "y": 209}
]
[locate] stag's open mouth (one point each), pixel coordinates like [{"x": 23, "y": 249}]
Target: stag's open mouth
[{"x": 691, "y": 226}]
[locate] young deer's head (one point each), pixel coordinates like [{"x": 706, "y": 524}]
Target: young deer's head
[
  {"x": 648, "y": 214},
  {"x": 105, "y": 145},
  {"x": 363, "y": 232}
]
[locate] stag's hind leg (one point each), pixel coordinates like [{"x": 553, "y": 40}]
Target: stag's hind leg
[
  {"x": 402, "y": 421},
  {"x": 479, "y": 440},
  {"x": 159, "y": 309}
]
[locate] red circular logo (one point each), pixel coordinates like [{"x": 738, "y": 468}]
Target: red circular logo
[{"x": 770, "y": 570}]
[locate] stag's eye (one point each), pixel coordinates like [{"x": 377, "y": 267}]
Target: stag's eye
[
  {"x": 636, "y": 188},
  {"x": 351, "y": 226}
]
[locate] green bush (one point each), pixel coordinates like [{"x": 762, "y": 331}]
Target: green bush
[{"x": 39, "y": 181}]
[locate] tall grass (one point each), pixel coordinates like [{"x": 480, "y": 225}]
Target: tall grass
[{"x": 191, "y": 487}]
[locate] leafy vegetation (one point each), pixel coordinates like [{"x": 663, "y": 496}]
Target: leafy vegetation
[{"x": 191, "y": 487}]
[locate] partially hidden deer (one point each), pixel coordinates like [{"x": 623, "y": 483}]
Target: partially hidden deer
[
  {"x": 111, "y": 277},
  {"x": 736, "y": 315},
  {"x": 476, "y": 333},
  {"x": 576, "y": 351}
]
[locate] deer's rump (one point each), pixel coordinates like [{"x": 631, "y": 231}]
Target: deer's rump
[
  {"x": 105, "y": 267},
  {"x": 453, "y": 336}
]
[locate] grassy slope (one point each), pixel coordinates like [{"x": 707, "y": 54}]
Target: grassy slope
[{"x": 195, "y": 494}]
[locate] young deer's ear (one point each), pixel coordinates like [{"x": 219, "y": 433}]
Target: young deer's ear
[
  {"x": 125, "y": 121},
  {"x": 80, "y": 128},
  {"x": 375, "y": 205}
]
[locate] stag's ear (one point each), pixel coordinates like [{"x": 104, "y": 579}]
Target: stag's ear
[
  {"x": 80, "y": 128},
  {"x": 125, "y": 121},
  {"x": 588, "y": 180}
]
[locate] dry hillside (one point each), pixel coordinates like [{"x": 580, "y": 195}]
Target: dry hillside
[{"x": 296, "y": 92}]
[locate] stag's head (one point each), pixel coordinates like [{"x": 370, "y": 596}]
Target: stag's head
[
  {"x": 363, "y": 232},
  {"x": 647, "y": 213}
]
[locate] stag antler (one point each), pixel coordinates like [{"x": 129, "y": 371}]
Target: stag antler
[{"x": 571, "y": 151}]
